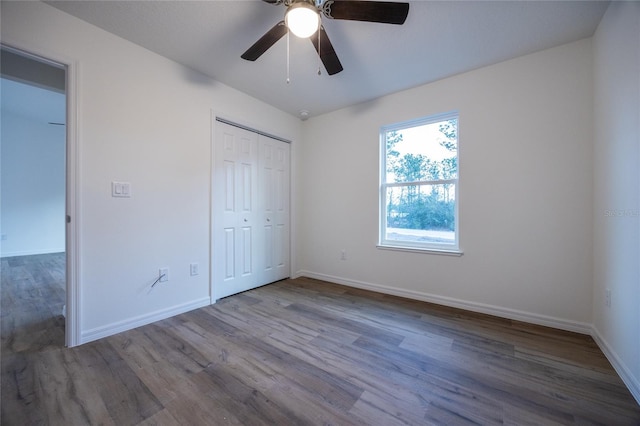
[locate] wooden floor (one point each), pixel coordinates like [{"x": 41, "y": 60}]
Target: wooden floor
[{"x": 293, "y": 353}]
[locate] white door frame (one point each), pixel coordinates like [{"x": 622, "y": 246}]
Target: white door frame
[{"x": 72, "y": 203}]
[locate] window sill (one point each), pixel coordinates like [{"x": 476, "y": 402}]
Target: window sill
[{"x": 442, "y": 252}]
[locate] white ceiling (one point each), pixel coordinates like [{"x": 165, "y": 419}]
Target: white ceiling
[{"x": 439, "y": 39}]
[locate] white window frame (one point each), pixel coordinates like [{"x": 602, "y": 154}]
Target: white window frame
[{"x": 437, "y": 248}]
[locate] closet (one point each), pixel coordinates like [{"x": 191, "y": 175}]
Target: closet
[{"x": 250, "y": 210}]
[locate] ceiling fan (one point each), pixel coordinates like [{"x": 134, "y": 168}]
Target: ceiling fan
[{"x": 302, "y": 18}]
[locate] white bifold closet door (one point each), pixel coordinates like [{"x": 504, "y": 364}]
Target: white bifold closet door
[{"x": 250, "y": 207}]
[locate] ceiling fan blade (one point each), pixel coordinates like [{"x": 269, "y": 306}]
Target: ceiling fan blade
[
  {"x": 327, "y": 53},
  {"x": 265, "y": 42},
  {"x": 385, "y": 12}
]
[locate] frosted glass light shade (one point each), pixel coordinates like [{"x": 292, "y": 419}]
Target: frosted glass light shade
[{"x": 302, "y": 19}]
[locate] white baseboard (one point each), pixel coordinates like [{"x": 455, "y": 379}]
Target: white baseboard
[
  {"x": 31, "y": 252},
  {"x": 633, "y": 383},
  {"x": 529, "y": 317},
  {"x": 119, "y": 327}
]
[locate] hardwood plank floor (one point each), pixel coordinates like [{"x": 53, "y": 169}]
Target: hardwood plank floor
[{"x": 297, "y": 352}]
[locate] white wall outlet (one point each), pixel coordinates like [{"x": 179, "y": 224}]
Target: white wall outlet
[
  {"x": 343, "y": 254},
  {"x": 164, "y": 274},
  {"x": 194, "y": 269},
  {"x": 607, "y": 297}
]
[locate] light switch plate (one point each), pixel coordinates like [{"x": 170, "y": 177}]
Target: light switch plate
[{"x": 120, "y": 189}]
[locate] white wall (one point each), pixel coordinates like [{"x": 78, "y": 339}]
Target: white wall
[
  {"x": 525, "y": 192},
  {"x": 32, "y": 171},
  {"x": 146, "y": 120},
  {"x": 617, "y": 188}
]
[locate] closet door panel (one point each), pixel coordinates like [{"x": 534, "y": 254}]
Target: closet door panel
[
  {"x": 234, "y": 211},
  {"x": 274, "y": 191}
]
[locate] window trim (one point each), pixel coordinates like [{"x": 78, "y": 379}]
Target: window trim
[{"x": 407, "y": 246}]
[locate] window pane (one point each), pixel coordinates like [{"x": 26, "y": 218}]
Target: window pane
[
  {"x": 423, "y": 153},
  {"x": 421, "y": 213}
]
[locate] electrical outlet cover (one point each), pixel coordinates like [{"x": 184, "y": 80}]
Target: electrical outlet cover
[
  {"x": 164, "y": 274},
  {"x": 193, "y": 269}
]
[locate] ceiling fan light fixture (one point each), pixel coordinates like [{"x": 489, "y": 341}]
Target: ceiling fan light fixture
[{"x": 303, "y": 19}]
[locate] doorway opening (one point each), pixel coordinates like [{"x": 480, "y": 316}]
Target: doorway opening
[{"x": 33, "y": 207}]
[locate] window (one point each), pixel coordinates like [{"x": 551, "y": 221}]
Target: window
[{"x": 419, "y": 184}]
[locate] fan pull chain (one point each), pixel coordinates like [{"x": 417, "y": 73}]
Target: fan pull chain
[
  {"x": 319, "y": 29},
  {"x": 288, "y": 80}
]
